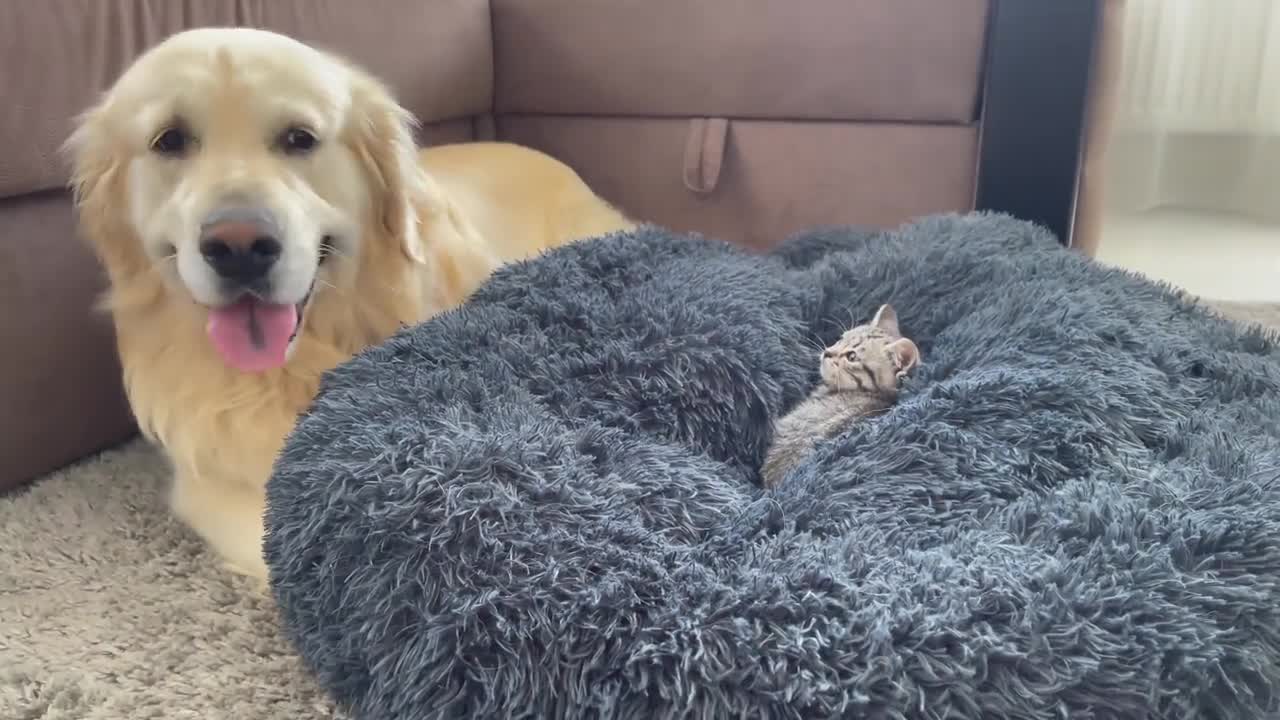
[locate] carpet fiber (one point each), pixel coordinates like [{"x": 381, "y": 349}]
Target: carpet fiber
[
  {"x": 546, "y": 501},
  {"x": 111, "y": 610}
]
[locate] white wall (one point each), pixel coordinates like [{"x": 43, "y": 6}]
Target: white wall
[{"x": 1199, "y": 110}]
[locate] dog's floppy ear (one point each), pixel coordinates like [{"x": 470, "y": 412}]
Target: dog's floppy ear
[
  {"x": 96, "y": 182},
  {"x": 92, "y": 163},
  {"x": 382, "y": 136}
]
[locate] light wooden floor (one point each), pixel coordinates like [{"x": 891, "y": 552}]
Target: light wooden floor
[{"x": 1214, "y": 256}]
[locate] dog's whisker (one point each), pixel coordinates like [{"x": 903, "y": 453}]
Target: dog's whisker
[
  {"x": 330, "y": 251},
  {"x": 162, "y": 264},
  {"x": 326, "y": 286}
]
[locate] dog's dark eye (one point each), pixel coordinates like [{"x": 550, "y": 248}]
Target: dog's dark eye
[
  {"x": 297, "y": 141},
  {"x": 173, "y": 141}
]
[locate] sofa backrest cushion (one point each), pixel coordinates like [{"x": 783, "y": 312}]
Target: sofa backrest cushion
[
  {"x": 59, "y": 55},
  {"x": 884, "y": 60}
]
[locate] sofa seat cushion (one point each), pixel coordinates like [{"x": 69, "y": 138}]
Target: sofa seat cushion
[
  {"x": 60, "y": 390},
  {"x": 757, "y": 181}
]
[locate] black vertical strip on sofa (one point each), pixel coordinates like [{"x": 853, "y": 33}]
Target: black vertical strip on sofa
[{"x": 1036, "y": 87}]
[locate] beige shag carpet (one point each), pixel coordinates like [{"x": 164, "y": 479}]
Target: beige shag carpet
[{"x": 109, "y": 609}]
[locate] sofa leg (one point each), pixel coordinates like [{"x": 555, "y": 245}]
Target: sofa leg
[{"x": 1034, "y": 98}]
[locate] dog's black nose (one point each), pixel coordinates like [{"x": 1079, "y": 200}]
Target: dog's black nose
[
  {"x": 241, "y": 250},
  {"x": 238, "y": 261}
]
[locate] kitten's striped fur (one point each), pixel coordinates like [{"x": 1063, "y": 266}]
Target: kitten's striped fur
[{"x": 860, "y": 376}]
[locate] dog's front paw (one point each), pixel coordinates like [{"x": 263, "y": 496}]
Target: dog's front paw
[{"x": 257, "y": 577}]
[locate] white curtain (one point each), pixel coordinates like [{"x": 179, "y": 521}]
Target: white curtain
[{"x": 1199, "y": 110}]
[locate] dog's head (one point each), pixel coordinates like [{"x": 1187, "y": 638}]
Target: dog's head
[{"x": 247, "y": 175}]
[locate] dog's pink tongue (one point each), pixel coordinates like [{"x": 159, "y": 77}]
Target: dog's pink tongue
[{"x": 252, "y": 336}]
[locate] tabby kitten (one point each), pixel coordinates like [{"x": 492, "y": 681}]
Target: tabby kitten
[{"x": 860, "y": 376}]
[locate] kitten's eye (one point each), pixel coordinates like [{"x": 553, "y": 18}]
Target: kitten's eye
[
  {"x": 851, "y": 356},
  {"x": 172, "y": 141},
  {"x": 297, "y": 141}
]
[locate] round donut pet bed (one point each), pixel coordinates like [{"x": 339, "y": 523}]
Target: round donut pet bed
[{"x": 546, "y": 502}]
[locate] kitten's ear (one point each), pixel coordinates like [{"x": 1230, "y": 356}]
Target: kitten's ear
[
  {"x": 887, "y": 320},
  {"x": 905, "y": 355}
]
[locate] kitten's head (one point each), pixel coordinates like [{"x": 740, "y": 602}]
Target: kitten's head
[{"x": 872, "y": 358}]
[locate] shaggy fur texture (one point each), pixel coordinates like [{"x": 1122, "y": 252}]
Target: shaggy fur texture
[{"x": 544, "y": 504}]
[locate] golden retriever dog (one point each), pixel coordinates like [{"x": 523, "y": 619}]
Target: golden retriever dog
[{"x": 263, "y": 214}]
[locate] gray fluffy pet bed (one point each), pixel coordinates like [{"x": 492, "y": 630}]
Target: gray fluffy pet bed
[{"x": 544, "y": 504}]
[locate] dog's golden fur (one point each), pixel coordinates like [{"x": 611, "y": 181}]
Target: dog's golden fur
[{"x": 420, "y": 230}]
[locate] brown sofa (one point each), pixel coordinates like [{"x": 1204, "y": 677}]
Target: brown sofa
[{"x": 744, "y": 120}]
